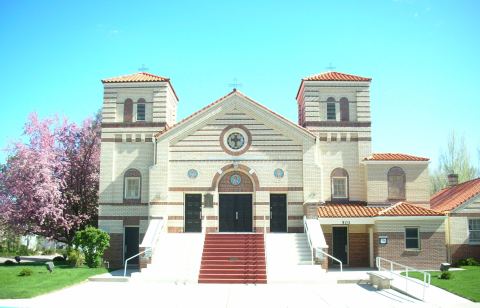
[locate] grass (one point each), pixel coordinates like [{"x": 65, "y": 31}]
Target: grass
[
  {"x": 41, "y": 281},
  {"x": 463, "y": 283}
]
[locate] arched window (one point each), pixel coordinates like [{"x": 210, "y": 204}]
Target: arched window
[
  {"x": 128, "y": 110},
  {"x": 132, "y": 185},
  {"x": 331, "y": 109},
  {"x": 339, "y": 178},
  {"x": 344, "y": 109},
  {"x": 396, "y": 183}
]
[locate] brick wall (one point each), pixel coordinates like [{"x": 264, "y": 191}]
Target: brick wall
[
  {"x": 114, "y": 254},
  {"x": 432, "y": 249},
  {"x": 459, "y": 251},
  {"x": 358, "y": 249}
]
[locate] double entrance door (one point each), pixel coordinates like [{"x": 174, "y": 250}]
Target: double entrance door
[{"x": 235, "y": 213}]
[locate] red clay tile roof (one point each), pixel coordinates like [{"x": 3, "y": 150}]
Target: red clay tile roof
[
  {"x": 450, "y": 198},
  {"x": 224, "y": 97},
  {"x": 361, "y": 210},
  {"x": 395, "y": 156},
  {"x": 137, "y": 77},
  {"x": 335, "y": 76},
  {"x": 347, "y": 210},
  {"x": 408, "y": 209}
]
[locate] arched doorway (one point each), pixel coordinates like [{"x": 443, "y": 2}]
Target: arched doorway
[{"x": 235, "y": 191}]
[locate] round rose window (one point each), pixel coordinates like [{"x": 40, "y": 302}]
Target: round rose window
[{"x": 235, "y": 140}]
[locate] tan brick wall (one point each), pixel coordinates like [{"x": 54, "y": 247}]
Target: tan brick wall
[{"x": 417, "y": 182}]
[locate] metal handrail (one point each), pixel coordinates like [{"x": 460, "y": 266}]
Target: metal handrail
[
  {"x": 426, "y": 276},
  {"x": 150, "y": 249},
  {"x": 305, "y": 227},
  {"x": 333, "y": 258},
  {"x": 307, "y": 231},
  {"x": 134, "y": 256}
]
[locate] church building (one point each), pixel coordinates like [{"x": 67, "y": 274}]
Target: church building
[{"x": 237, "y": 167}]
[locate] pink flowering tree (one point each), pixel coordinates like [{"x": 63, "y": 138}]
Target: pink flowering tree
[{"x": 49, "y": 184}]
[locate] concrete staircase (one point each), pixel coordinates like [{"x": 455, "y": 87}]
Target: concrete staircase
[
  {"x": 233, "y": 258},
  {"x": 289, "y": 259},
  {"x": 176, "y": 259}
]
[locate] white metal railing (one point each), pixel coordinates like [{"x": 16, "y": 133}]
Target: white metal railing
[
  {"x": 332, "y": 257},
  {"x": 155, "y": 228},
  {"x": 396, "y": 269},
  {"x": 316, "y": 240}
]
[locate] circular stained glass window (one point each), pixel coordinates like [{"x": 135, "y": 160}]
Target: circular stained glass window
[
  {"x": 235, "y": 140},
  {"x": 192, "y": 173},
  {"x": 278, "y": 173},
  {"x": 235, "y": 180}
]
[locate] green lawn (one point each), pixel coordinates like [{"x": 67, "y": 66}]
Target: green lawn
[
  {"x": 41, "y": 281},
  {"x": 464, "y": 283}
]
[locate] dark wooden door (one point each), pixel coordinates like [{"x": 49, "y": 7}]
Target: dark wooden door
[
  {"x": 193, "y": 213},
  {"x": 131, "y": 244},
  {"x": 340, "y": 244},
  {"x": 278, "y": 213},
  {"x": 235, "y": 213}
]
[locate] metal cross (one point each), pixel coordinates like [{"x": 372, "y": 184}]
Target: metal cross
[
  {"x": 235, "y": 83},
  {"x": 330, "y": 67},
  {"x": 143, "y": 68}
]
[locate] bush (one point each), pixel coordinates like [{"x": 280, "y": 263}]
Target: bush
[
  {"x": 446, "y": 275},
  {"x": 468, "y": 262},
  {"x": 75, "y": 258},
  {"x": 48, "y": 251},
  {"x": 92, "y": 242},
  {"x": 25, "y": 272},
  {"x": 24, "y": 251},
  {"x": 9, "y": 263},
  {"x": 58, "y": 259}
]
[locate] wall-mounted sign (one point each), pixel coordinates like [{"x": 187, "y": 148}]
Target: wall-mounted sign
[{"x": 383, "y": 240}]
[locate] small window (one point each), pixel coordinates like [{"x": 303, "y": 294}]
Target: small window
[
  {"x": 132, "y": 185},
  {"x": 132, "y": 188},
  {"x": 396, "y": 183},
  {"x": 331, "y": 111},
  {"x": 344, "y": 110},
  {"x": 412, "y": 238},
  {"x": 339, "y": 187},
  {"x": 339, "y": 183},
  {"x": 140, "y": 112},
  {"x": 474, "y": 231}
]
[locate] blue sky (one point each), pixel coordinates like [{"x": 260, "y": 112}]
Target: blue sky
[{"x": 423, "y": 57}]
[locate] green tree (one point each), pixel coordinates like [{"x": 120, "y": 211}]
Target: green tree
[
  {"x": 454, "y": 159},
  {"x": 92, "y": 242}
]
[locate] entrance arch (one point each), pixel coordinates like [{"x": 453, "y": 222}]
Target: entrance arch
[{"x": 235, "y": 196}]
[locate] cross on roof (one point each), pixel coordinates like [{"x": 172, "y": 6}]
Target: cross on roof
[
  {"x": 143, "y": 68},
  {"x": 235, "y": 84},
  {"x": 330, "y": 67}
]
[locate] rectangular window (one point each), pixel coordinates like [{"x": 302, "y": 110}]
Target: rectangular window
[
  {"x": 412, "y": 238},
  {"x": 474, "y": 231},
  {"x": 140, "y": 112},
  {"x": 132, "y": 188},
  {"x": 331, "y": 111},
  {"x": 339, "y": 187}
]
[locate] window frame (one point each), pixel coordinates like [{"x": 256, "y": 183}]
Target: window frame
[
  {"x": 345, "y": 181},
  {"x": 419, "y": 245},
  {"x": 470, "y": 241},
  {"x": 340, "y": 174},
  {"x": 144, "y": 112},
  {"x": 139, "y": 190},
  {"x": 334, "y": 104}
]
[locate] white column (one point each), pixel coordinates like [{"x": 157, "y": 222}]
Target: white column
[{"x": 370, "y": 246}]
